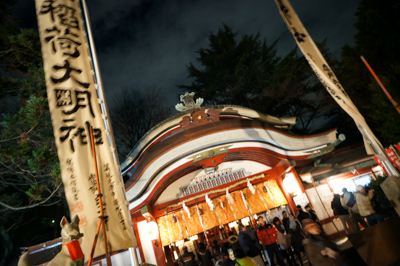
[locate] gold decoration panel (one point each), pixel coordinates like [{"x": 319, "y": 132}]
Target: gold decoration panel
[
  {"x": 267, "y": 196},
  {"x": 209, "y": 217},
  {"x": 238, "y": 206},
  {"x": 225, "y": 213},
  {"x": 193, "y": 223},
  {"x": 255, "y": 202},
  {"x": 275, "y": 192},
  {"x": 163, "y": 229}
]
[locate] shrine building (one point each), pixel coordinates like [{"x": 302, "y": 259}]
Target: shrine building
[{"x": 199, "y": 173}]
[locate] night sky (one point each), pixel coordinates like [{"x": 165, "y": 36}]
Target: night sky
[{"x": 143, "y": 43}]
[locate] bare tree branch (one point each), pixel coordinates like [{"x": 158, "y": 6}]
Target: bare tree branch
[{"x": 33, "y": 205}]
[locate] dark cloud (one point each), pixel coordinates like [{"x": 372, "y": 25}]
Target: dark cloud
[{"x": 151, "y": 42}]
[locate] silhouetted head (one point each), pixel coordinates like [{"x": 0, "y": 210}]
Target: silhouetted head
[
  {"x": 242, "y": 227},
  {"x": 239, "y": 253},
  {"x": 276, "y": 221}
]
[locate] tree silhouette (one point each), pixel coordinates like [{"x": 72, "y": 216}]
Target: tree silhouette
[{"x": 133, "y": 113}]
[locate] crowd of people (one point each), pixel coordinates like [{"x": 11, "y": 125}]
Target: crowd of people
[
  {"x": 355, "y": 208},
  {"x": 288, "y": 239},
  {"x": 276, "y": 242}
]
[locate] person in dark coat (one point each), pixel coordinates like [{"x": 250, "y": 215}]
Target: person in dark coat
[
  {"x": 205, "y": 255},
  {"x": 286, "y": 248},
  {"x": 253, "y": 234},
  {"x": 187, "y": 258},
  {"x": 285, "y": 220},
  {"x": 301, "y": 215},
  {"x": 320, "y": 250},
  {"x": 314, "y": 216},
  {"x": 225, "y": 246},
  {"x": 249, "y": 246},
  {"x": 297, "y": 236},
  {"x": 343, "y": 214},
  {"x": 233, "y": 240},
  {"x": 216, "y": 249},
  {"x": 224, "y": 259}
]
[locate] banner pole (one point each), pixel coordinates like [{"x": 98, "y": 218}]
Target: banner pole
[
  {"x": 330, "y": 82},
  {"x": 380, "y": 152},
  {"x": 103, "y": 108},
  {"x": 99, "y": 87},
  {"x": 102, "y": 217}
]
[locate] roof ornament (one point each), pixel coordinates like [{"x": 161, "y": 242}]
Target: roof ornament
[{"x": 189, "y": 102}]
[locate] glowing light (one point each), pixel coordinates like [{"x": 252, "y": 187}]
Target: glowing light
[
  {"x": 192, "y": 238},
  {"x": 152, "y": 230},
  {"x": 232, "y": 224},
  {"x": 246, "y": 221},
  {"x": 291, "y": 185},
  {"x": 378, "y": 170}
]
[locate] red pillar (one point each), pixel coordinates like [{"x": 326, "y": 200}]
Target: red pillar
[
  {"x": 159, "y": 252},
  {"x": 135, "y": 229}
]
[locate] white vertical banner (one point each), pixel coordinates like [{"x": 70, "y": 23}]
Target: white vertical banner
[
  {"x": 74, "y": 108},
  {"x": 322, "y": 69}
]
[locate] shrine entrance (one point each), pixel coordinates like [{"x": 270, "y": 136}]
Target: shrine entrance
[
  {"x": 195, "y": 176},
  {"x": 209, "y": 217}
]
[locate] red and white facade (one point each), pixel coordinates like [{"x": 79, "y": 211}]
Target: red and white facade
[{"x": 166, "y": 167}]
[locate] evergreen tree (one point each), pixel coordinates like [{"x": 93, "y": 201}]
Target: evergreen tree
[
  {"x": 31, "y": 192},
  {"x": 233, "y": 72},
  {"x": 298, "y": 92},
  {"x": 377, "y": 39},
  {"x": 247, "y": 72}
]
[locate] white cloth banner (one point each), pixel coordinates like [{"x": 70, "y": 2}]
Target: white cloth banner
[
  {"x": 74, "y": 107},
  {"x": 322, "y": 69}
]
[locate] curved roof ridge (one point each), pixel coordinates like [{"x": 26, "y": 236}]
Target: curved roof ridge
[{"x": 172, "y": 123}]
